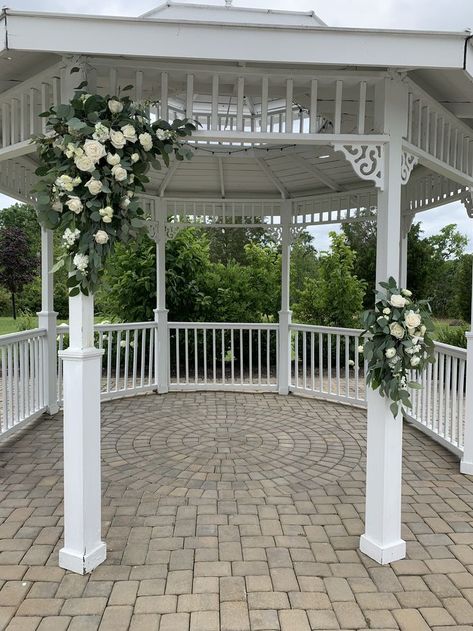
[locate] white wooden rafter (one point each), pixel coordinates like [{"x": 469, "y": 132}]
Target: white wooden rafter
[
  {"x": 221, "y": 176},
  {"x": 310, "y": 168},
  {"x": 167, "y": 178},
  {"x": 273, "y": 177}
]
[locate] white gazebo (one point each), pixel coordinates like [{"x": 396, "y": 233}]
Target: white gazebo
[{"x": 300, "y": 124}]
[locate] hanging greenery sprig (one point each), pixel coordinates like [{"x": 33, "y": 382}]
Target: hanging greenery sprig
[
  {"x": 93, "y": 159},
  {"x": 397, "y": 345}
]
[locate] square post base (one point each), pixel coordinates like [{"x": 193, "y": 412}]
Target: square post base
[
  {"x": 383, "y": 554},
  {"x": 466, "y": 467},
  {"x": 79, "y": 563}
]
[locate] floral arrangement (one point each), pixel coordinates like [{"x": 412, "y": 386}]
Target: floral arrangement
[
  {"x": 94, "y": 158},
  {"x": 397, "y": 343}
]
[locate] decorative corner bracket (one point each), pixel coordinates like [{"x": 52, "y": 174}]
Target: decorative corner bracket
[
  {"x": 158, "y": 229},
  {"x": 467, "y": 201},
  {"x": 367, "y": 161},
  {"x": 408, "y": 162},
  {"x": 296, "y": 232}
]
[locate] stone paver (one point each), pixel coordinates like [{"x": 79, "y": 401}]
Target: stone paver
[{"x": 233, "y": 512}]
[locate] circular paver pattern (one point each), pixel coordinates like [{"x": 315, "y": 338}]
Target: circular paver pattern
[{"x": 216, "y": 441}]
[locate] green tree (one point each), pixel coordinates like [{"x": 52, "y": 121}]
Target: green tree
[
  {"x": 361, "y": 238},
  {"x": 17, "y": 265},
  {"x": 335, "y": 297},
  {"x": 463, "y": 281},
  {"x": 304, "y": 263}
]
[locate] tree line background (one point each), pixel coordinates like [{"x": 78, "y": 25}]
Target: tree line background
[{"x": 235, "y": 276}]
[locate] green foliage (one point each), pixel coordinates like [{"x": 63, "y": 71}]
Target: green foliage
[
  {"x": 335, "y": 296},
  {"x": 453, "y": 335},
  {"x": 463, "y": 282},
  {"x": 93, "y": 159},
  {"x": 17, "y": 264},
  {"x": 397, "y": 342}
]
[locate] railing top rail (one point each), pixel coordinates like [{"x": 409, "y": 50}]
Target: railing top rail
[
  {"x": 447, "y": 349},
  {"x": 115, "y": 326},
  {"x": 10, "y": 338},
  {"x": 325, "y": 329},
  {"x": 223, "y": 325}
]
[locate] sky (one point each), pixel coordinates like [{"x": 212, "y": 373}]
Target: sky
[{"x": 442, "y": 15}]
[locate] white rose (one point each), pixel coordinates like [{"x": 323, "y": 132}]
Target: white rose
[
  {"x": 75, "y": 205},
  {"x": 390, "y": 353},
  {"x": 161, "y": 134},
  {"x": 386, "y": 311},
  {"x": 396, "y": 330},
  {"x": 101, "y": 132},
  {"x": 81, "y": 261},
  {"x": 57, "y": 206},
  {"x": 129, "y": 132},
  {"x": 146, "y": 141},
  {"x": 117, "y": 139},
  {"x": 94, "y": 149},
  {"x": 406, "y": 292},
  {"x": 412, "y": 320},
  {"x": 76, "y": 181},
  {"x": 135, "y": 157},
  {"x": 101, "y": 237},
  {"x": 423, "y": 330},
  {"x": 351, "y": 362},
  {"x": 398, "y": 301},
  {"x": 115, "y": 106},
  {"x": 125, "y": 203},
  {"x": 84, "y": 163},
  {"x": 415, "y": 361},
  {"x": 119, "y": 173},
  {"x": 107, "y": 219},
  {"x": 113, "y": 158},
  {"x": 94, "y": 186},
  {"x": 65, "y": 182},
  {"x": 361, "y": 348}
]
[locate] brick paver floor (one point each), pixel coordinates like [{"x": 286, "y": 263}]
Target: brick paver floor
[{"x": 233, "y": 512}]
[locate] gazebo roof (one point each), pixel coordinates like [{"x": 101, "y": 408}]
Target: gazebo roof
[{"x": 230, "y": 14}]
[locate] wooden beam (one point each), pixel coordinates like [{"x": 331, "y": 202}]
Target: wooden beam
[
  {"x": 167, "y": 178},
  {"x": 221, "y": 176},
  {"x": 308, "y": 167},
  {"x": 273, "y": 178}
]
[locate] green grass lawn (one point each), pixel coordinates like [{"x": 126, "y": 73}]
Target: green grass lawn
[{"x": 9, "y": 325}]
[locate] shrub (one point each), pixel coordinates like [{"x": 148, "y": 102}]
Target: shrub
[{"x": 455, "y": 336}]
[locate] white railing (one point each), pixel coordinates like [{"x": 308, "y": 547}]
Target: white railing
[
  {"x": 326, "y": 363},
  {"x": 128, "y": 365},
  {"x": 215, "y": 356},
  {"x": 21, "y": 377},
  {"x": 439, "y": 408},
  {"x": 435, "y": 130}
]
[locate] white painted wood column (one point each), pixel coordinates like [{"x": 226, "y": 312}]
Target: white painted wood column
[
  {"x": 83, "y": 546},
  {"x": 406, "y": 222},
  {"x": 382, "y": 537},
  {"x": 285, "y": 314},
  {"x": 47, "y": 319},
  {"x": 466, "y": 464},
  {"x": 161, "y": 313},
  {"x": 82, "y": 363}
]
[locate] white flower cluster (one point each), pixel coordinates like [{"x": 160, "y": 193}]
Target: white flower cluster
[
  {"x": 165, "y": 134},
  {"x": 81, "y": 261},
  {"x": 106, "y": 214},
  {"x": 70, "y": 236}
]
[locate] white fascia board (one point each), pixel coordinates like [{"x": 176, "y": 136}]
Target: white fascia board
[{"x": 59, "y": 33}]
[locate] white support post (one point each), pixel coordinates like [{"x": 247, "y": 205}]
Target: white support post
[
  {"x": 161, "y": 313},
  {"x": 466, "y": 465},
  {"x": 382, "y": 537},
  {"x": 83, "y": 547},
  {"x": 47, "y": 319},
  {"x": 285, "y": 315},
  {"x": 406, "y": 222}
]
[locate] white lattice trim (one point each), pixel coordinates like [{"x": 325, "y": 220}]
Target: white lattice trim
[
  {"x": 408, "y": 162},
  {"x": 367, "y": 161}
]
